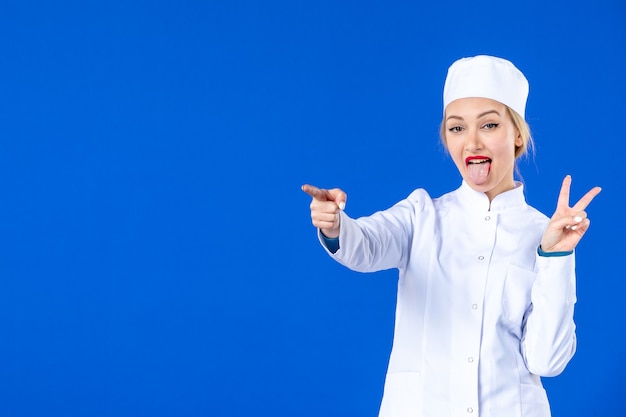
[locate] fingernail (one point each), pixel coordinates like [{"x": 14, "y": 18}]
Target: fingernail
[
  {"x": 574, "y": 227},
  {"x": 578, "y": 219},
  {"x": 342, "y": 205}
]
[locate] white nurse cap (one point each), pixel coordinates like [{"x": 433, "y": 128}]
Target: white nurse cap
[{"x": 487, "y": 77}]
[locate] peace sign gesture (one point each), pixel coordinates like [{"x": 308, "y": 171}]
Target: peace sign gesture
[{"x": 568, "y": 224}]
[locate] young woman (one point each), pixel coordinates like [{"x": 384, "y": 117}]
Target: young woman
[{"x": 486, "y": 286}]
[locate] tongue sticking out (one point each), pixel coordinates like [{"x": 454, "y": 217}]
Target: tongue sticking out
[{"x": 478, "y": 172}]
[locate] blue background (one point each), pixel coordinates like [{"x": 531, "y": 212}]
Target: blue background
[{"x": 157, "y": 256}]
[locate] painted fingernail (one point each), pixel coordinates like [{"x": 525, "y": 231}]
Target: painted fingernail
[
  {"x": 342, "y": 205},
  {"x": 574, "y": 227},
  {"x": 578, "y": 219}
]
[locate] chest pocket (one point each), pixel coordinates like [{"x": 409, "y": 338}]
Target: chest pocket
[{"x": 516, "y": 295}]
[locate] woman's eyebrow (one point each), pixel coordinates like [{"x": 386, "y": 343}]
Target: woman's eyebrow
[
  {"x": 488, "y": 112},
  {"x": 452, "y": 116}
]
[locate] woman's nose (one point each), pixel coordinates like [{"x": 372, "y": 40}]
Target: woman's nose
[{"x": 472, "y": 142}]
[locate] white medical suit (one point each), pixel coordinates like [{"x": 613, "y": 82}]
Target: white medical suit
[{"x": 480, "y": 315}]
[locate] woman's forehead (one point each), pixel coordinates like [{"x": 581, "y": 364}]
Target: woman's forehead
[{"x": 474, "y": 107}]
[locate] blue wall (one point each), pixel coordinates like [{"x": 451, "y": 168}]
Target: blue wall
[{"x": 157, "y": 256}]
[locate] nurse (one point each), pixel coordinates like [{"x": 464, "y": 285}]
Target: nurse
[{"x": 487, "y": 286}]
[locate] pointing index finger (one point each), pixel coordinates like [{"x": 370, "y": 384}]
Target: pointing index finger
[{"x": 315, "y": 192}]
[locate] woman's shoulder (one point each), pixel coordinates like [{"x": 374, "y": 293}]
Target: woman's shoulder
[
  {"x": 419, "y": 195},
  {"x": 533, "y": 214},
  {"x": 418, "y": 201}
]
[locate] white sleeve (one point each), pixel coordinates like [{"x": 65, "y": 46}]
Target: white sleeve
[
  {"x": 549, "y": 339},
  {"x": 380, "y": 241}
]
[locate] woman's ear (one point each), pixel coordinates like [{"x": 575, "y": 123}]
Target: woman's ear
[{"x": 519, "y": 141}]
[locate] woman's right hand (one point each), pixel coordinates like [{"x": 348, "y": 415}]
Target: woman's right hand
[{"x": 325, "y": 208}]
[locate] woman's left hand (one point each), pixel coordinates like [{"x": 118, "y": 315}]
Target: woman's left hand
[{"x": 568, "y": 224}]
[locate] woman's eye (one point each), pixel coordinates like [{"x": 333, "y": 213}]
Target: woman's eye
[
  {"x": 490, "y": 125},
  {"x": 455, "y": 129}
]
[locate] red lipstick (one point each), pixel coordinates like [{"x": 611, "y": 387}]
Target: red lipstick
[{"x": 476, "y": 157}]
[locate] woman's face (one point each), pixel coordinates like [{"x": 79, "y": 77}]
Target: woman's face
[{"x": 481, "y": 139}]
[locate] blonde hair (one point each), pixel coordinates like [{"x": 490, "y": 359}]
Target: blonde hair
[{"x": 528, "y": 145}]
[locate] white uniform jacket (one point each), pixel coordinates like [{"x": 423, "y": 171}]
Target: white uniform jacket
[{"x": 480, "y": 316}]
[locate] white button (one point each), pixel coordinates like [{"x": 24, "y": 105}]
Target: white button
[
  {"x": 474, "y": 306},
  {"x": 480, "y": 258},
  {"x": 487, "y": 218},
  {"x": 470, "y": 410},
  {"x": 470, "y": 359}
]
